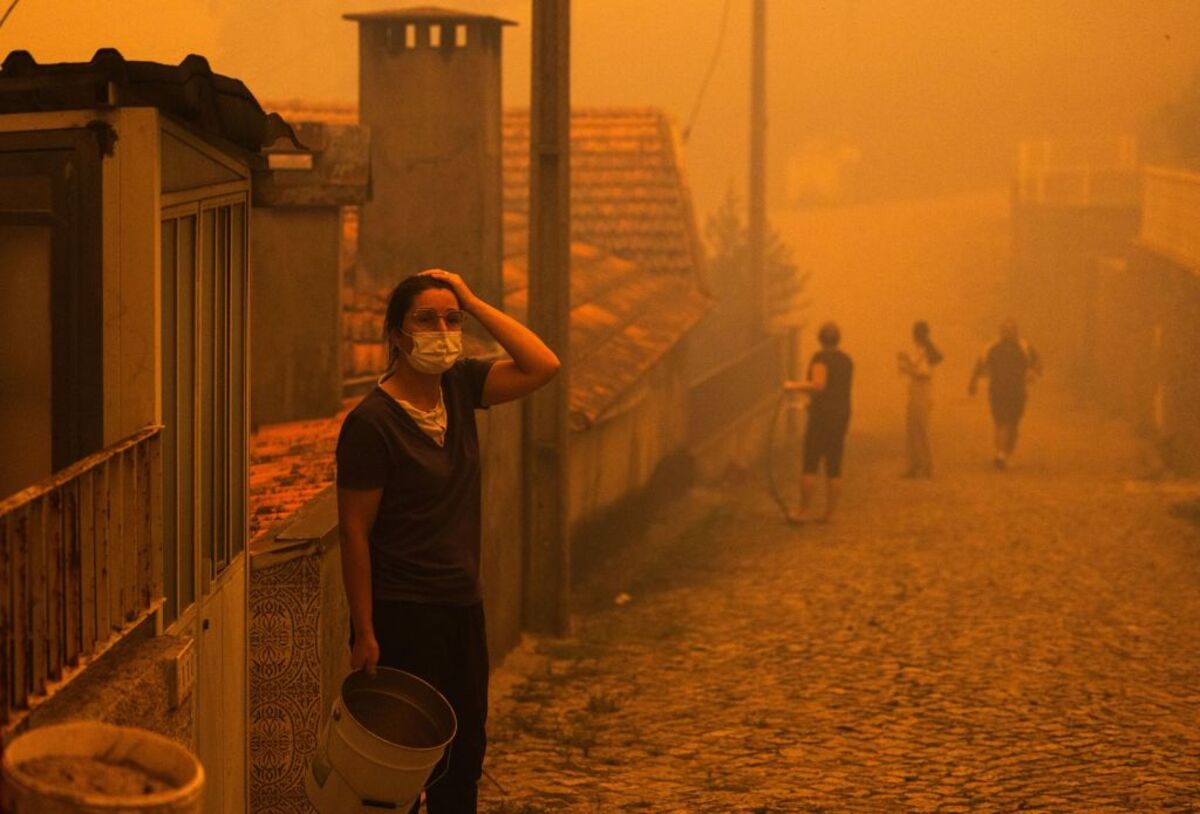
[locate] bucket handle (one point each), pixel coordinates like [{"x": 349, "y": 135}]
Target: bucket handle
[{"x": 445, "y": 765}]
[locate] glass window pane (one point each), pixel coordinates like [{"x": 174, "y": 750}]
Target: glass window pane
[
  {"x": 239, "y": 356},
  {"x": 170, "y": 433},
  {"x": 186, "y": 409},
  {"x": 206, "y": 391},
  {"x": 220, "y": 435}
]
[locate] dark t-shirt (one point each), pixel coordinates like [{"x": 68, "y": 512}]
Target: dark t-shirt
[
  {"x": 425, "y": 542},
  {"x": 832, "y": 403},
  {"x": 1007, "y": 362}
]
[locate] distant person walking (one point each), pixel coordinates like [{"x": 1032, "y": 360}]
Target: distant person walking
[
  {"x": 1008, "y": 364},
  {"x": 828, "y": 383},
  {"x": 917, "y": 364}
]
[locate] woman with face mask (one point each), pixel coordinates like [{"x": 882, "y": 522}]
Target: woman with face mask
[{"x": 409, "y": 505}]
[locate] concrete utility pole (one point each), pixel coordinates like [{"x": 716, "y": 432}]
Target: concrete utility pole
[
  {"x": 758, "y": 162},
  {"x": 548, "y": 571}
]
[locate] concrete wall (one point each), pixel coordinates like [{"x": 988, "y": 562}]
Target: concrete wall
[
  {"x": 434, "y": 116},
  {"x": 1144, "y": 347},
  {"x": 132, "y": 378},
  {"x": 295, "y": 313},
  {"x": 1120, "y": 341},
  {"x": 619, "y": 454},
  {"x": 129, "y": 685},
  {"x": 1054, "y": 252},
  {"x": 1175, "y": 348}
]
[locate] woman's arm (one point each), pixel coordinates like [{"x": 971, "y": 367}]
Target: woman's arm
[
  {"x": 980, "y": 372},
  {"x": 915, "y": 368},
  {"x": 816, "y": 383},
  {"x": 532, "y": 364},
  {"x": 356, "y": 515}
]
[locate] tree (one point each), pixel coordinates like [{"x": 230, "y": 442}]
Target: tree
[{"x": 728, "y": 239}]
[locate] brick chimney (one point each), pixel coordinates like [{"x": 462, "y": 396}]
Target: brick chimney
[{"x": 429, "y": 90}]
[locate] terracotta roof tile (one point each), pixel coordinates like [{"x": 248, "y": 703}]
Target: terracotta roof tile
[
  {"x": 289, "y": 465},
  {"x": 629, "y": 191},
  {"x": 623, "y": 321}
]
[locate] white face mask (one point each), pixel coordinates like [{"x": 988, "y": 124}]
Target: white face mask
[{"x": 434, "y": 351}]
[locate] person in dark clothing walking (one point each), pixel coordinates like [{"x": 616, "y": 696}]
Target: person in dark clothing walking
[
  {"x": 409, "y": 506},
  {"x": 1008, "y": 364},
  {"x": 828, "y": 384}
]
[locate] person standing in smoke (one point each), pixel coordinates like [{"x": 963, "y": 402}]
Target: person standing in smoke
[
  {"x": 1008, "y": 364},
  {"x": 918, "y": 366},
  {"x": 828, "y": 384},
  {"x": 410, "y": 506}
]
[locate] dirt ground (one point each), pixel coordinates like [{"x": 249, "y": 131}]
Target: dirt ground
[{"x": 981, "y": 641}]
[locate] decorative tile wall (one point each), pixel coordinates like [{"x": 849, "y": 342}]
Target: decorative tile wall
[{"x": 285, "y": 682}]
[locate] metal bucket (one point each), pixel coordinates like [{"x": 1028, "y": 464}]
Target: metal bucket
[
  {"x": 158, "y": 757},
  {"x": 380, "y": 743}
]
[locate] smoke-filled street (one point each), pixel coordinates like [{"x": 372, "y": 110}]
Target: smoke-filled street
[
  {"x": 980, "y": 641},
  {"x": 560, "y": 407}
]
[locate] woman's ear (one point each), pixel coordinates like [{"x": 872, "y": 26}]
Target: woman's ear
[{"x": 396, "y": 339}]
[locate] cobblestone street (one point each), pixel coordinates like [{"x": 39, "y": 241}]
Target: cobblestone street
[{"x": 982, "y": 641}]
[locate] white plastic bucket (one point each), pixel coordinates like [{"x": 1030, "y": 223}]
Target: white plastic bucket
[
  {"x": 384, "y": 735},
  {"x": 160, "y": 757}
]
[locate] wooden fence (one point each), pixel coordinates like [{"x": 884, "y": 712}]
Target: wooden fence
[{"x": 81, "y": 560}]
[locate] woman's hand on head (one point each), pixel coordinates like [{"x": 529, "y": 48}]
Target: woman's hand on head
[
  {"x": 365, "y": 655},
  {"x": 466, "y": 297}
]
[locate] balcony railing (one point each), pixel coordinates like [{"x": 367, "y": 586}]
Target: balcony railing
[
  {"x": 80, "y": 562},
  {"x": 1171, "y": 215}
]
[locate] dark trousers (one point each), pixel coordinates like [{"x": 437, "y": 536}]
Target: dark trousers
[{"x": 445, "y": 645}]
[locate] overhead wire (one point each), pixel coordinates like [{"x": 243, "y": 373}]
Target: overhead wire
[
  {"x": 708, "y": 73},
  {"x": 11, "y": 6}
]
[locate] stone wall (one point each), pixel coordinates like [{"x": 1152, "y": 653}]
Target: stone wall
[{"x": 129, "y": 685}]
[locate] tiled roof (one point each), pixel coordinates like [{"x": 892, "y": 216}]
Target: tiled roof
[
  {"x": 623, "y": 321},
  {"x": 289, "y": 465},
  {"x": 629, "y": 193},
  {"x": 297, "y": 110}
]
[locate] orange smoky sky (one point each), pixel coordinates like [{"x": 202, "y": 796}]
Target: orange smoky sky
[{"x": 932, "y": 94}]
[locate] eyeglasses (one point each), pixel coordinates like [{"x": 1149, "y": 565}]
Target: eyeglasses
[{"x": 427, "y": 319}]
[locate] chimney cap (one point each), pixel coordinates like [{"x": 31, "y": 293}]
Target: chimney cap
[{"x": 430, "y": 14}]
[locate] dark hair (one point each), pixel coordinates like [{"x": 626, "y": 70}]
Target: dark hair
[
  {"x": 829, "y": 335},
  {"x": 401, "y": 300},
  {"x": 921, "y": 335}
]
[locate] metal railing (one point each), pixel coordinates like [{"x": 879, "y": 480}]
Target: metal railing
[
  {"x": 81, "y": 558},
  {"x": 1171, "y": 215}
]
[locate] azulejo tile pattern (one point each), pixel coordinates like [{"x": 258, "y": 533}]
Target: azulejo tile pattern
[{"x": 285, "y": 683}]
